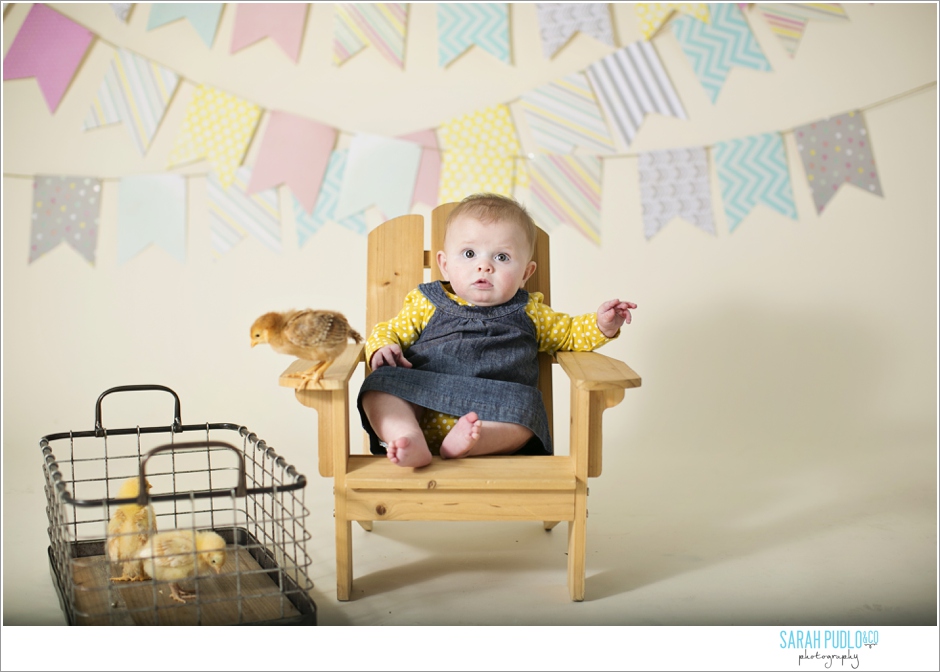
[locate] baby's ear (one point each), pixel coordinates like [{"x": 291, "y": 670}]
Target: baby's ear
[
  {"x": 529, "y": 270},
  {"x": 442, "y": 263}
]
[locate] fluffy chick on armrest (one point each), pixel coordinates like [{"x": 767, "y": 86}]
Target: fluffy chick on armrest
[{"x": 316, "y": 335}]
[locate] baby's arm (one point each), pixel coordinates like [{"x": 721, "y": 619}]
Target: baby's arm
[
  {"x": 388, "y": 340},
  {"x": 612, "y": 314},
  {"x": 389, "y": 355}
]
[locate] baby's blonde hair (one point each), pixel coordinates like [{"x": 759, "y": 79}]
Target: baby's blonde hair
[{"x": 496, "y": 208}]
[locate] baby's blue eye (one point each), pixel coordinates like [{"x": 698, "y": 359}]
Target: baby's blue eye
[
  {"x": 468, "y": 254},
  {"x": 502, "y": 256}
]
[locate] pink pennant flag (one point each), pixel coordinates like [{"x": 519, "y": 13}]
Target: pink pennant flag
[
  {"x": 283, "y": 23},
  {"x": 48, "y": 47},
  {"x": 295, "y": 151},
  {"x": 429, "y": 169}
]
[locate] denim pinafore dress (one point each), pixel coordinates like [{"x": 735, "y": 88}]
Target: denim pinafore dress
[{"x": 471, "y": 358}]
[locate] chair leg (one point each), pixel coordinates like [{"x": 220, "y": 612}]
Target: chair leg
[
  {"x": 549, "y": 524},
  {"x": 343, "y": 558},
  {"x": 577, "y": 547}
]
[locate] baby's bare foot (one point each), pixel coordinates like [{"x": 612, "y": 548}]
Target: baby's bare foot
[
  {"x": 462, "y": 436},
  {"x": 406, "y": 452}
]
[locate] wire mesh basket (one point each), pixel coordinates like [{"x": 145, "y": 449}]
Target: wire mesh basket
[{"x": 245, "y": 493}]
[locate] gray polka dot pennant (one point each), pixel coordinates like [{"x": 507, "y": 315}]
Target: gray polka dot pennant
[{"x": 65, "y": 208}]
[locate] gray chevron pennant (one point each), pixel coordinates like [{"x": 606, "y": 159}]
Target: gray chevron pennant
[
  {"x": 558, "y": 21},
  {"x": 460, "y": 26},
  {"x": 674, "y": 183}
]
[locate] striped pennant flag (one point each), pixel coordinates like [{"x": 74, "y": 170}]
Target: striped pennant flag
[
  {"x": 674, "y": 183},
  {"x": 567, "y": 190},
  {"x": 382, "y": 25},
  {"x": 788, "y": 20},
  {"x": 460, "y": 26},
  {"x": 325, "y": 209},
  {"x": 652, "y": 15},
  {"x": 233, "y": 214},
  {"x": 712, "y": 48},
  {"x": 753, "y": 170},
  {"x": 558, "y": 21},
  {"x": 631, "y": 83},
  {"x": 135, "y": 91},
  {"x": 563, "y": 115}
]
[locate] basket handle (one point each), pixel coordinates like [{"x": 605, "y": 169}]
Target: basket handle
[
  {"x": 177, "y": 422},
  {"x": 241, "y": 488}
]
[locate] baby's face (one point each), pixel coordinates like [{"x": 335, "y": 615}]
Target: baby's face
[{"x": 486, "y": 264}]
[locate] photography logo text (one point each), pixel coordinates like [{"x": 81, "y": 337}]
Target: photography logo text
[{"x": 827, "y": 647}]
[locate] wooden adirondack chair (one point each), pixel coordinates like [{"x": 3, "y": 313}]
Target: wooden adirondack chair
[{"x": 369, "y": 488}]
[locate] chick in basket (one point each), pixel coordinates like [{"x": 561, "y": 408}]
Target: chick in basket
[
  {"x": 315, "y": 335},
  {"x": 128, "y": 531},
  {"x": 182, "y": 554}
]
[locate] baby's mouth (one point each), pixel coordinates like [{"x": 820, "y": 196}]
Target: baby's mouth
[{"x": 482, "y": 284}]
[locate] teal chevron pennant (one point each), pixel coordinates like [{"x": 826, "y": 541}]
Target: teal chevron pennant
[
  {"x": 712, "y": 48},
  {"x": 754, "y": 170},
  {"x": 460, "y": 26},
  {"x": 307, "y": 223}
]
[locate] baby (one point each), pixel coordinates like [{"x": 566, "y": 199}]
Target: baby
[{"x": 457, "y": 368}]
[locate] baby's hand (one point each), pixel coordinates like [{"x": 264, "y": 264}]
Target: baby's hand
[
  {"x": 389, "y": 355},
  {"x": 612, "y": 314}
]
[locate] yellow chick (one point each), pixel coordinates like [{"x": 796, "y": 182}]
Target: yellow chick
[
  {"x": 316, "y": 335},
  {"x": 128, "y": 531},
  {"x": 181, "y": 554}
]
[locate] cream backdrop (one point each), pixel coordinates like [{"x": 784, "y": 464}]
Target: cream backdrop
[{"x": 789, "y": 369}]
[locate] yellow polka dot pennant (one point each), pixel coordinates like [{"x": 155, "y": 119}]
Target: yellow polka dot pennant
[
  {"x": 652, "y": 15},
  {"x": 218, "y": 127},
  {"x": 480, "y": 153}
]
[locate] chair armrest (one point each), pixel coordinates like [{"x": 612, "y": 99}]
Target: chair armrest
[
  {"x": 334, "y": 378},
  {"x": 593, "y": 371}
]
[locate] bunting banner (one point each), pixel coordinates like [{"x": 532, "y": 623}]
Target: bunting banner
[
  {"x": 218, "y": 127},
  {"x": 283, "y": 23},
  {"x": 713, "y": 48},
  {"x": 136, "y": 92},
  {"x": 674, "y": 183},
  {"x": 837, "y": 151},
  {"x": 65, "y": 208},
  {"x": 652, "y": 15},
  {"x": 788, "y": 20},
  {"x": 567, "y": 190},
  {"x": 152, "y": 209},
  {"x": 122, "y": 10},
  {"x": 754, "y": 170},
  {"x": 428, "y": 181},
  {"x": 480, "y": 152},
  {"x": 631, "y": 83},
  {"x": 295, "y": 150},
  {"x": 381, "y": 24},
  {"x": 380, "y": 171},
  {"x": 559, "y": 21},
  {"x": 325, "y": 210},
  {"x": 49, "y": 47},
  {"x": 203, "y": 16},
  {"x": 460, "y": 26},
  {"x": 234, "y": 214},
  {"x": 563, "y": 115}
]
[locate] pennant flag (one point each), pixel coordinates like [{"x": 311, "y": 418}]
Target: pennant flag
[
  {"x": 218, "y": 127},
  {"x": 753, "y": 170},
  {"x": 379, "y": 171},
  {"x": 460, "y": 26},
  {"x": 674, "y": 183},
  {"x": 283, "y": 23},
  {"x": 382, "y": 25},
  {"x": 152, "y": 209},
  {"x": 295, "y": 151},
  {"x": 134, "y": 91},
  {"x": 48, "y": 47},
  {"x": 567, "y": 190},
  {"x": 564, "y": 115},
  {"x": 65, "y": 208},
  {"x": 788, "y": 20},
  {"x": 837, "y": 151},
  {"x": 631, "y": 83},
  {"x": 308, "y": 224},
  {"x": 428, "y": 181},
  {"x": 121, "y": 9},
  {"x": 652, "y": 15},
  {"x": 713, "y": 48},
  {"x": 234, "y": 214},
  {"x": 480, "y": 152},
  {"x": 558, "y": 21},
  {"x": 204, "y": 16}
]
